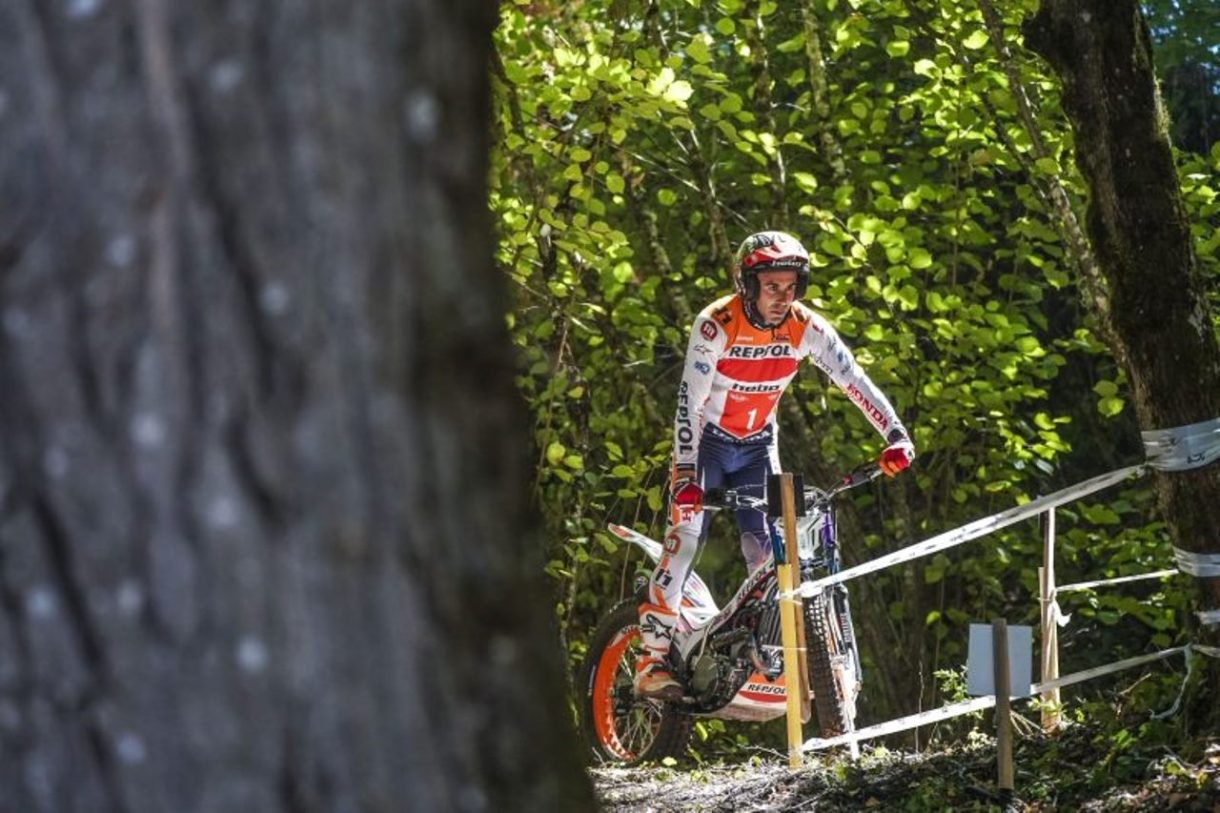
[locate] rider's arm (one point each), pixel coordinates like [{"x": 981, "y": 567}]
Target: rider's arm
[
  {"x": 706, "y": 346},
  {"x": 835, "y": 358}
]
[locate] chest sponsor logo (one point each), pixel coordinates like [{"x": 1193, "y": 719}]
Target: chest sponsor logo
[
  {"x": 769, "y": 351},
  {"x": 708, "y": 330},
  {"x": 737, "y": 387}
]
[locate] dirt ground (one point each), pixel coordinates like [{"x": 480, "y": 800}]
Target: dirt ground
[{"x": 1074, "y": 771}]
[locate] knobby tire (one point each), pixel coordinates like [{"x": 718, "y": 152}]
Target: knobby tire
[
  {"x": 831, "y": 674},
  {"x": 618, "y": 727}
]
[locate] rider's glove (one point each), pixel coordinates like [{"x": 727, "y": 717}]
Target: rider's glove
[
  {"x": 684, "y": 487},
  {"x": 896, "y": 457}
]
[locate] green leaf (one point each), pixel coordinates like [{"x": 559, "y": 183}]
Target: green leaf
[
  {"x": 1047, "y": 166},
  {"x": 1110, "y": 406},
  {"x": 897, "y": 48},
  {"x": 976, "y": 40},
  {"x": 653, "y": 495},
  {"x": 794, "y": 44},
  {"x": 806, "y": 181},
  {"x": 731, "y": 103},
  {"x": 614, "y": 450},
  {"x": 518, "y": 75},
  {"x": 574, "y": 461},
  {"x": 555, "y": 453},
  {"x": 1106, "y": 389},
  {"x": 920, "y": 258},
  {"x": 725, "y": 26},
  {"x": 666, "y": 197},
  {"x": 626, "y": 472},
  {"x": 679, "y": 91},
  {"x": 614, "y": 183},
  {"x": 926, "y": 67},
  {"x": 698, "y": 50}
]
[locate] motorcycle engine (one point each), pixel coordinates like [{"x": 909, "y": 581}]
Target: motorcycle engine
[{"x": 716, "y": 675}]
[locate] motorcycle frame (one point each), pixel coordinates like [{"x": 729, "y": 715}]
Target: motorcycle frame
[{"x": 760, "y": 698}]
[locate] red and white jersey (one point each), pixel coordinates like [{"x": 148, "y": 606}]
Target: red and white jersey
[{"x": 735, "y": 374}]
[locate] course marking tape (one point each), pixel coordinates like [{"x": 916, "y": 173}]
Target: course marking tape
[
  {"x": 1183, "y": 447},
  {"x": 1199, "y": 565},
  {"x": 1208, "y": 617},
  {"x": 1098, "y": 671},
  {"x": 902, "y": 723},
  {"x": 1160, "y": 574},
  {"x": 979, "y": 703},
  {"x": 973, "y": 530}
]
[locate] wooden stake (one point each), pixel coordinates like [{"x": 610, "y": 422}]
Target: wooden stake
[
  {"x": 1003, "y": 719},
  {"x": 1050, "y": 627},
  {"x": 792, "y": 555},
  {"x": 787, "y": 619}
]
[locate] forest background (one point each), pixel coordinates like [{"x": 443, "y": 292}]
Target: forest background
[{"x": 638, "y": 142}]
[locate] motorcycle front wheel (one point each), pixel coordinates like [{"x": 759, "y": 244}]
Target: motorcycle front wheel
[
  {"x": 618, "y": 726},
  {"x": 834, "y": 673}
]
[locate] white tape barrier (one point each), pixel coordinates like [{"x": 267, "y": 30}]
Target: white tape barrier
[
  {"x": 980, "y": 527},
  {"x": 1098, "y": 671},
  {"x": 981, "y": 703},
  {"x": 902, "y": 723},
  {"x": 1159, "y": 574},
  {"x": 1183, "y": 447},
  {"x": 1199, "y": 565},
  {"x": 1208, "y": 617}
]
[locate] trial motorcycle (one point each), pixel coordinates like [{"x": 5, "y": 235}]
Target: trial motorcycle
[{"x": 728, "y": 660}]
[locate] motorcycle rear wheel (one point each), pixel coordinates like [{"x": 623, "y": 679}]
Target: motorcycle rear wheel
[
  {"x": 833, "y": 672},
  {"x": 618, "y": 726}
]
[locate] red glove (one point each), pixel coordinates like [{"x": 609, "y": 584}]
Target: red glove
[
  {"x": 685, "y": 489},
  {"x": 896, "y": 457}
]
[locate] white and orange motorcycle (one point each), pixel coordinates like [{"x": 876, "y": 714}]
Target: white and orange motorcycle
[{"x": 729, "y": 661}]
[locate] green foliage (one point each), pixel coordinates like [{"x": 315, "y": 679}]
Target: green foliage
[{"x": 635, "y": 146}]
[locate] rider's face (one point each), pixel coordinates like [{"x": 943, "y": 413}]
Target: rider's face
[{"x": 776, "y": 291}]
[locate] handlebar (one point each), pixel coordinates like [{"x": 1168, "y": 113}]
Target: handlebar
[{"x": 717, "y": 499}]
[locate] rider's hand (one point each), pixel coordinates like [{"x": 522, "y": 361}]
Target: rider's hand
[
  {"x": 896, "y": 457},
  {"x": 685, "y": 487}
]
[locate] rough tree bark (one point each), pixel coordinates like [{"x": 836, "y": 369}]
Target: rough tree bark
[
  {"x": 263, "y": 537},
  {"x": 1138, "y": 226}
]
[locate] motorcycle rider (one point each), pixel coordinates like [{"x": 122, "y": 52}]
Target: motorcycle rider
[{"x": 744, "y": 349}]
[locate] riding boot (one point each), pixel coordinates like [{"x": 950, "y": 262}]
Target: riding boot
[{"x": 652, "y": 676}]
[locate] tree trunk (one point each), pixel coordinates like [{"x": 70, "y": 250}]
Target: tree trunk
[
  {"x": 263, "y": 537},
  {"x": 1138, "y": 226}
]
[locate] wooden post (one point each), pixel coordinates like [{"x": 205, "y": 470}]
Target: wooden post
[
  {"x": 1050, "y": 626},
  {"x": 787, "y": 619},
  {"x": 1003, "y": 718},
  {"x": 792, "y": 556}
]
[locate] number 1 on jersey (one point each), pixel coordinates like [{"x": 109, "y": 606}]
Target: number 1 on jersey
[{"x": 752, "y": 414}]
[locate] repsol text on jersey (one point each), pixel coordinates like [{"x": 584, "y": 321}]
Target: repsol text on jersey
[
  {"x": 766, "y": 351},
  {"x": 686, "y": 434}
]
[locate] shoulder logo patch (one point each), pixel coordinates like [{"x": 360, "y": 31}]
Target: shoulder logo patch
[{"x": 708, "y": 330}]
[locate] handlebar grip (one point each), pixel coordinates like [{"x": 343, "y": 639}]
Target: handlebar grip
[{"x": 862, "y": 475}]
